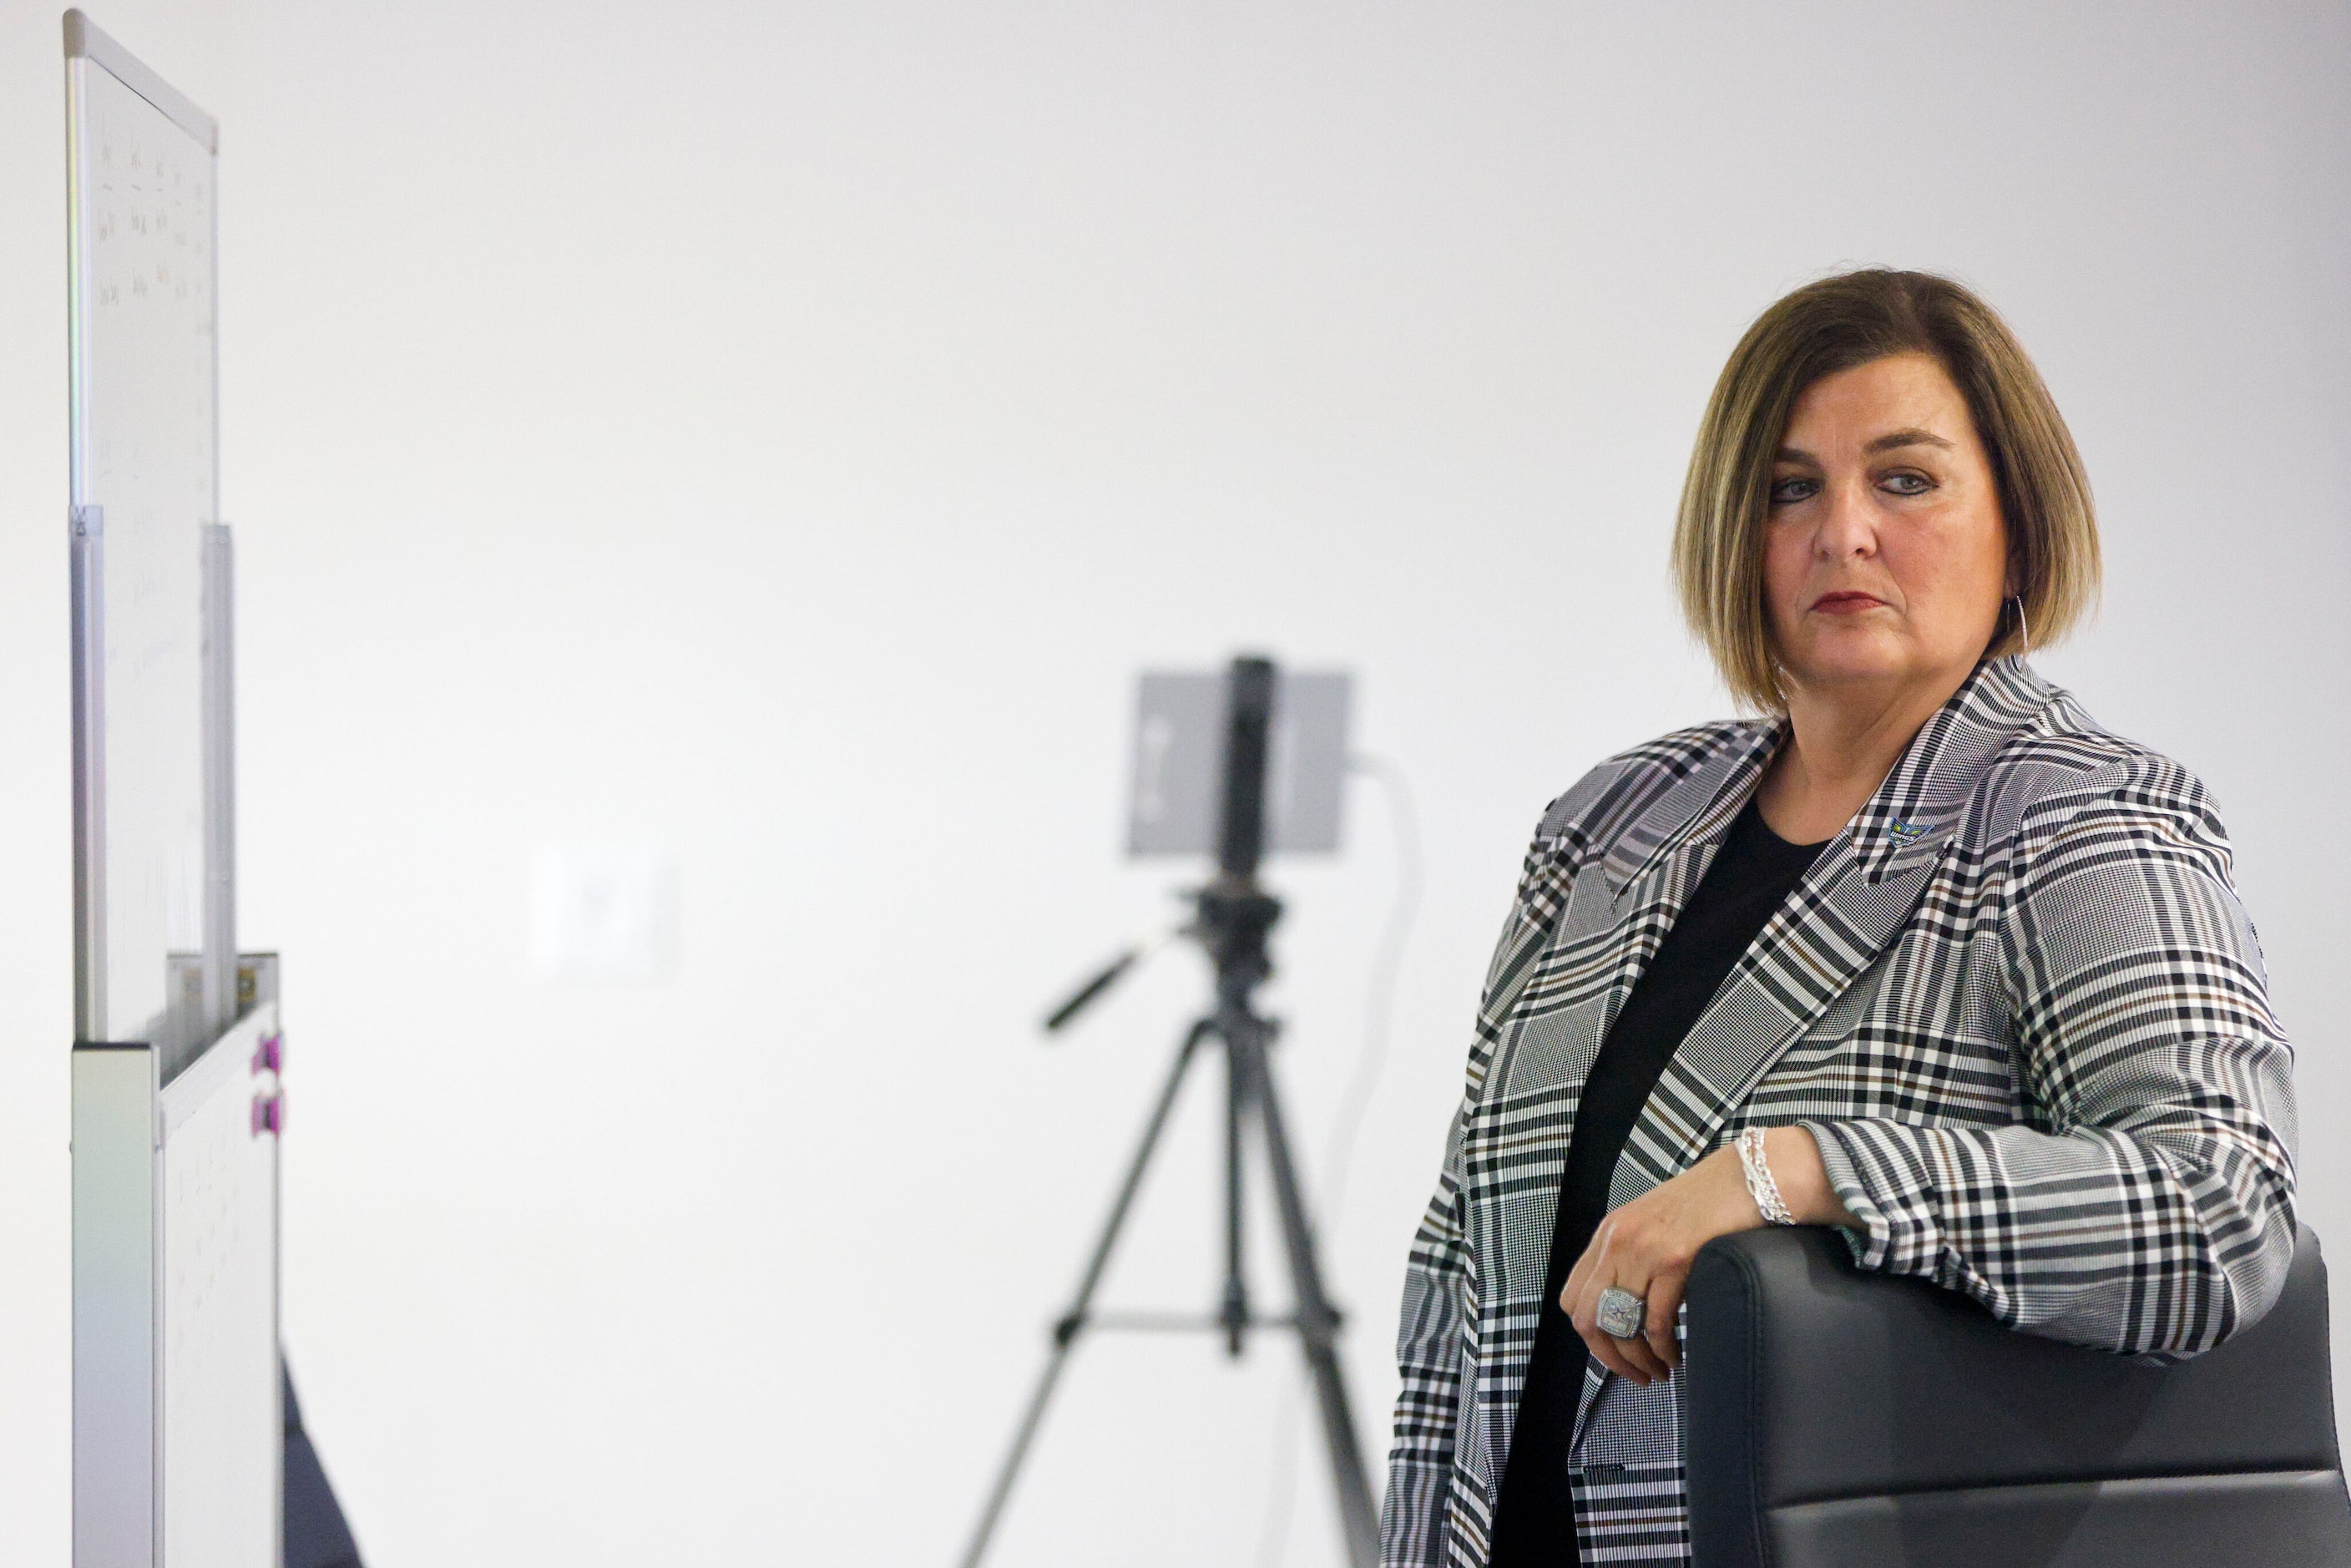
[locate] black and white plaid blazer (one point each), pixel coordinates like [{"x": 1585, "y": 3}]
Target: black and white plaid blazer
[{"x": 2016, "y": 1001}]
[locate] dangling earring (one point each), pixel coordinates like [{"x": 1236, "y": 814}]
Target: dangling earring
[{"x": 2024, "y": 630}]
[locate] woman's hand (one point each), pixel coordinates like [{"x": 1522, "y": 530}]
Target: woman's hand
[{"x": 1647, "y": 1245}]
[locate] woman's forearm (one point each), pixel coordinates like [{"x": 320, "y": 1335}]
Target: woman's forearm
[{"x": 2160, "y": 1240}]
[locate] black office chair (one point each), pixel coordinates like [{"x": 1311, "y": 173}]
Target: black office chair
[{"x": 1837, "y": 1419}]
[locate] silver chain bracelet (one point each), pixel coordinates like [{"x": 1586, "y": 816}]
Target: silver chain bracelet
[{"x": 1760, "y": 1185}]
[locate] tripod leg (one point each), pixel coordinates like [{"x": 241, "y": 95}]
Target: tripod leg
[
  {"x": 1235, "y": 1311},
  {"x": 1073, "y": 1321},
  {"x": 1317, "y": 1322}
]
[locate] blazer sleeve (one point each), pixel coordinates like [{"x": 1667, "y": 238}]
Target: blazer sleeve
[
  {"x": 2145, "y": 1206},
  {"x": 1429, "y": 1361},
  {"x": 1441, "y": 1277}
]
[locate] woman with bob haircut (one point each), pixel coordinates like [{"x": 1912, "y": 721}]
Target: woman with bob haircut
[{"x": 1923, "y": 952}]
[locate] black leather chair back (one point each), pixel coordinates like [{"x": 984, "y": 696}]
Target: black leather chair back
[{"x": 1837, "y": 1419}]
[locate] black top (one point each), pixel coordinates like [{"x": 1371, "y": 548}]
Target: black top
[{"x": 1751, "y": 875}]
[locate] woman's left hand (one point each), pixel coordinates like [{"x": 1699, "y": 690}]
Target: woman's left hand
[{"x": 1647, "y": 1245}]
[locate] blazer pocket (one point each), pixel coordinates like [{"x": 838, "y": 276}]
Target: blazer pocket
[{"x": 1630, "y": 1425}]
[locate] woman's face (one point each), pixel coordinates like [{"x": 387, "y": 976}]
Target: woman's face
[{"x": 1885, "y": 558}]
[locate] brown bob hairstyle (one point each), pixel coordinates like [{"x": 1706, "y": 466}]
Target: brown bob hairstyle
[{"x": 1842, "y": 321}]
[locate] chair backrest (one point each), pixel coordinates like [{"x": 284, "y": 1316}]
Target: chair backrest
[{"x": 1837, "y": 1419}]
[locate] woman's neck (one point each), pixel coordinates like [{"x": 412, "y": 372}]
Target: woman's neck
[{"x": 1842, "y": 743}]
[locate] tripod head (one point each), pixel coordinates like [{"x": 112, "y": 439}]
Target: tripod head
[{"x": 1232, "y": 916}]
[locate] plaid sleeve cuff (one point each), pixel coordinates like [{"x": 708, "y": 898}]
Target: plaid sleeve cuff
[{"x": 1881, "y": 1174}]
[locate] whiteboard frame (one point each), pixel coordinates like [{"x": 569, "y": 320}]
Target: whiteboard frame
[
  {"x": 84, "y": 41},
  {"x": 87, "y": 46}
]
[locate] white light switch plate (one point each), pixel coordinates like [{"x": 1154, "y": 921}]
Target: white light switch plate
[{"x": 604, "y": 912}]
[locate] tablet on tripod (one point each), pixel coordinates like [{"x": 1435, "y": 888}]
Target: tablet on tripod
[{"x": 1173, "y": 808}]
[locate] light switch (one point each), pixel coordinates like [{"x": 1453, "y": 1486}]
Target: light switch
[{"x": 604, "y": 912}]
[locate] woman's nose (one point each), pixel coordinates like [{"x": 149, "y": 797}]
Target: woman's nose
[{"x": 1848, "y": 525}]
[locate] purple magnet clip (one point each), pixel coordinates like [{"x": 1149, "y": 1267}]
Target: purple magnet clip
[
  {"x": 269, "y": 1113},
  {"x": 269, "y": 1056}
]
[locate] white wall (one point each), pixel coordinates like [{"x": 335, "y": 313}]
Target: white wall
[{"x": 779, "y": 431}]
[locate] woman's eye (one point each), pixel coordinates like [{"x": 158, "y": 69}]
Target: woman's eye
[
  {"x": 1907, "y": 483},
  {"x": 1786, "y": 490}
]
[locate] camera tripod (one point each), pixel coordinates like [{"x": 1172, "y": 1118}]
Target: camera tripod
[{"x": 1234, "y": 919}]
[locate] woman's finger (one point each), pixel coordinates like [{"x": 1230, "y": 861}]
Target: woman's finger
[
  {"x": 1644, "y": 1359},
  {"x": 1609, "y": 1263},
  {"x": 1611, "y": 1353},
  {"x": 1570, "y": 1295},
  {"x": 1580, "y": 1300},
  {"x": 1665, "y": 1301},
  {"x": 1579, "y": 1297},
  {"x": 1581, "y": 1275},
  {"x": 1627, "y": 1357}
]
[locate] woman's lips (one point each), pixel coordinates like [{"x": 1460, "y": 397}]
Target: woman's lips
[{"x": 1846, "y": 603}]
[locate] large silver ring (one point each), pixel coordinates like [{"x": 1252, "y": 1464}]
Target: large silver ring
[{"x": 1621, "y": 1313}]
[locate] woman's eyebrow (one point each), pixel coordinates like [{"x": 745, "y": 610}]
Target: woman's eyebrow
[
  {"x": 1888, "y": 442},
  {"x": 1894, "y": 438}
]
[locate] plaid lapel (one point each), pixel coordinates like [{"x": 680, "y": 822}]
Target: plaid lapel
[
  {"x": 1913, "y": 813},
  {"x": 1687, "y": 820}
]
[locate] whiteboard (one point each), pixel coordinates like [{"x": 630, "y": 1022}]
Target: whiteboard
[
  {"x": 178, "y": 1439},
  {"x": 141, "y": 388}
]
